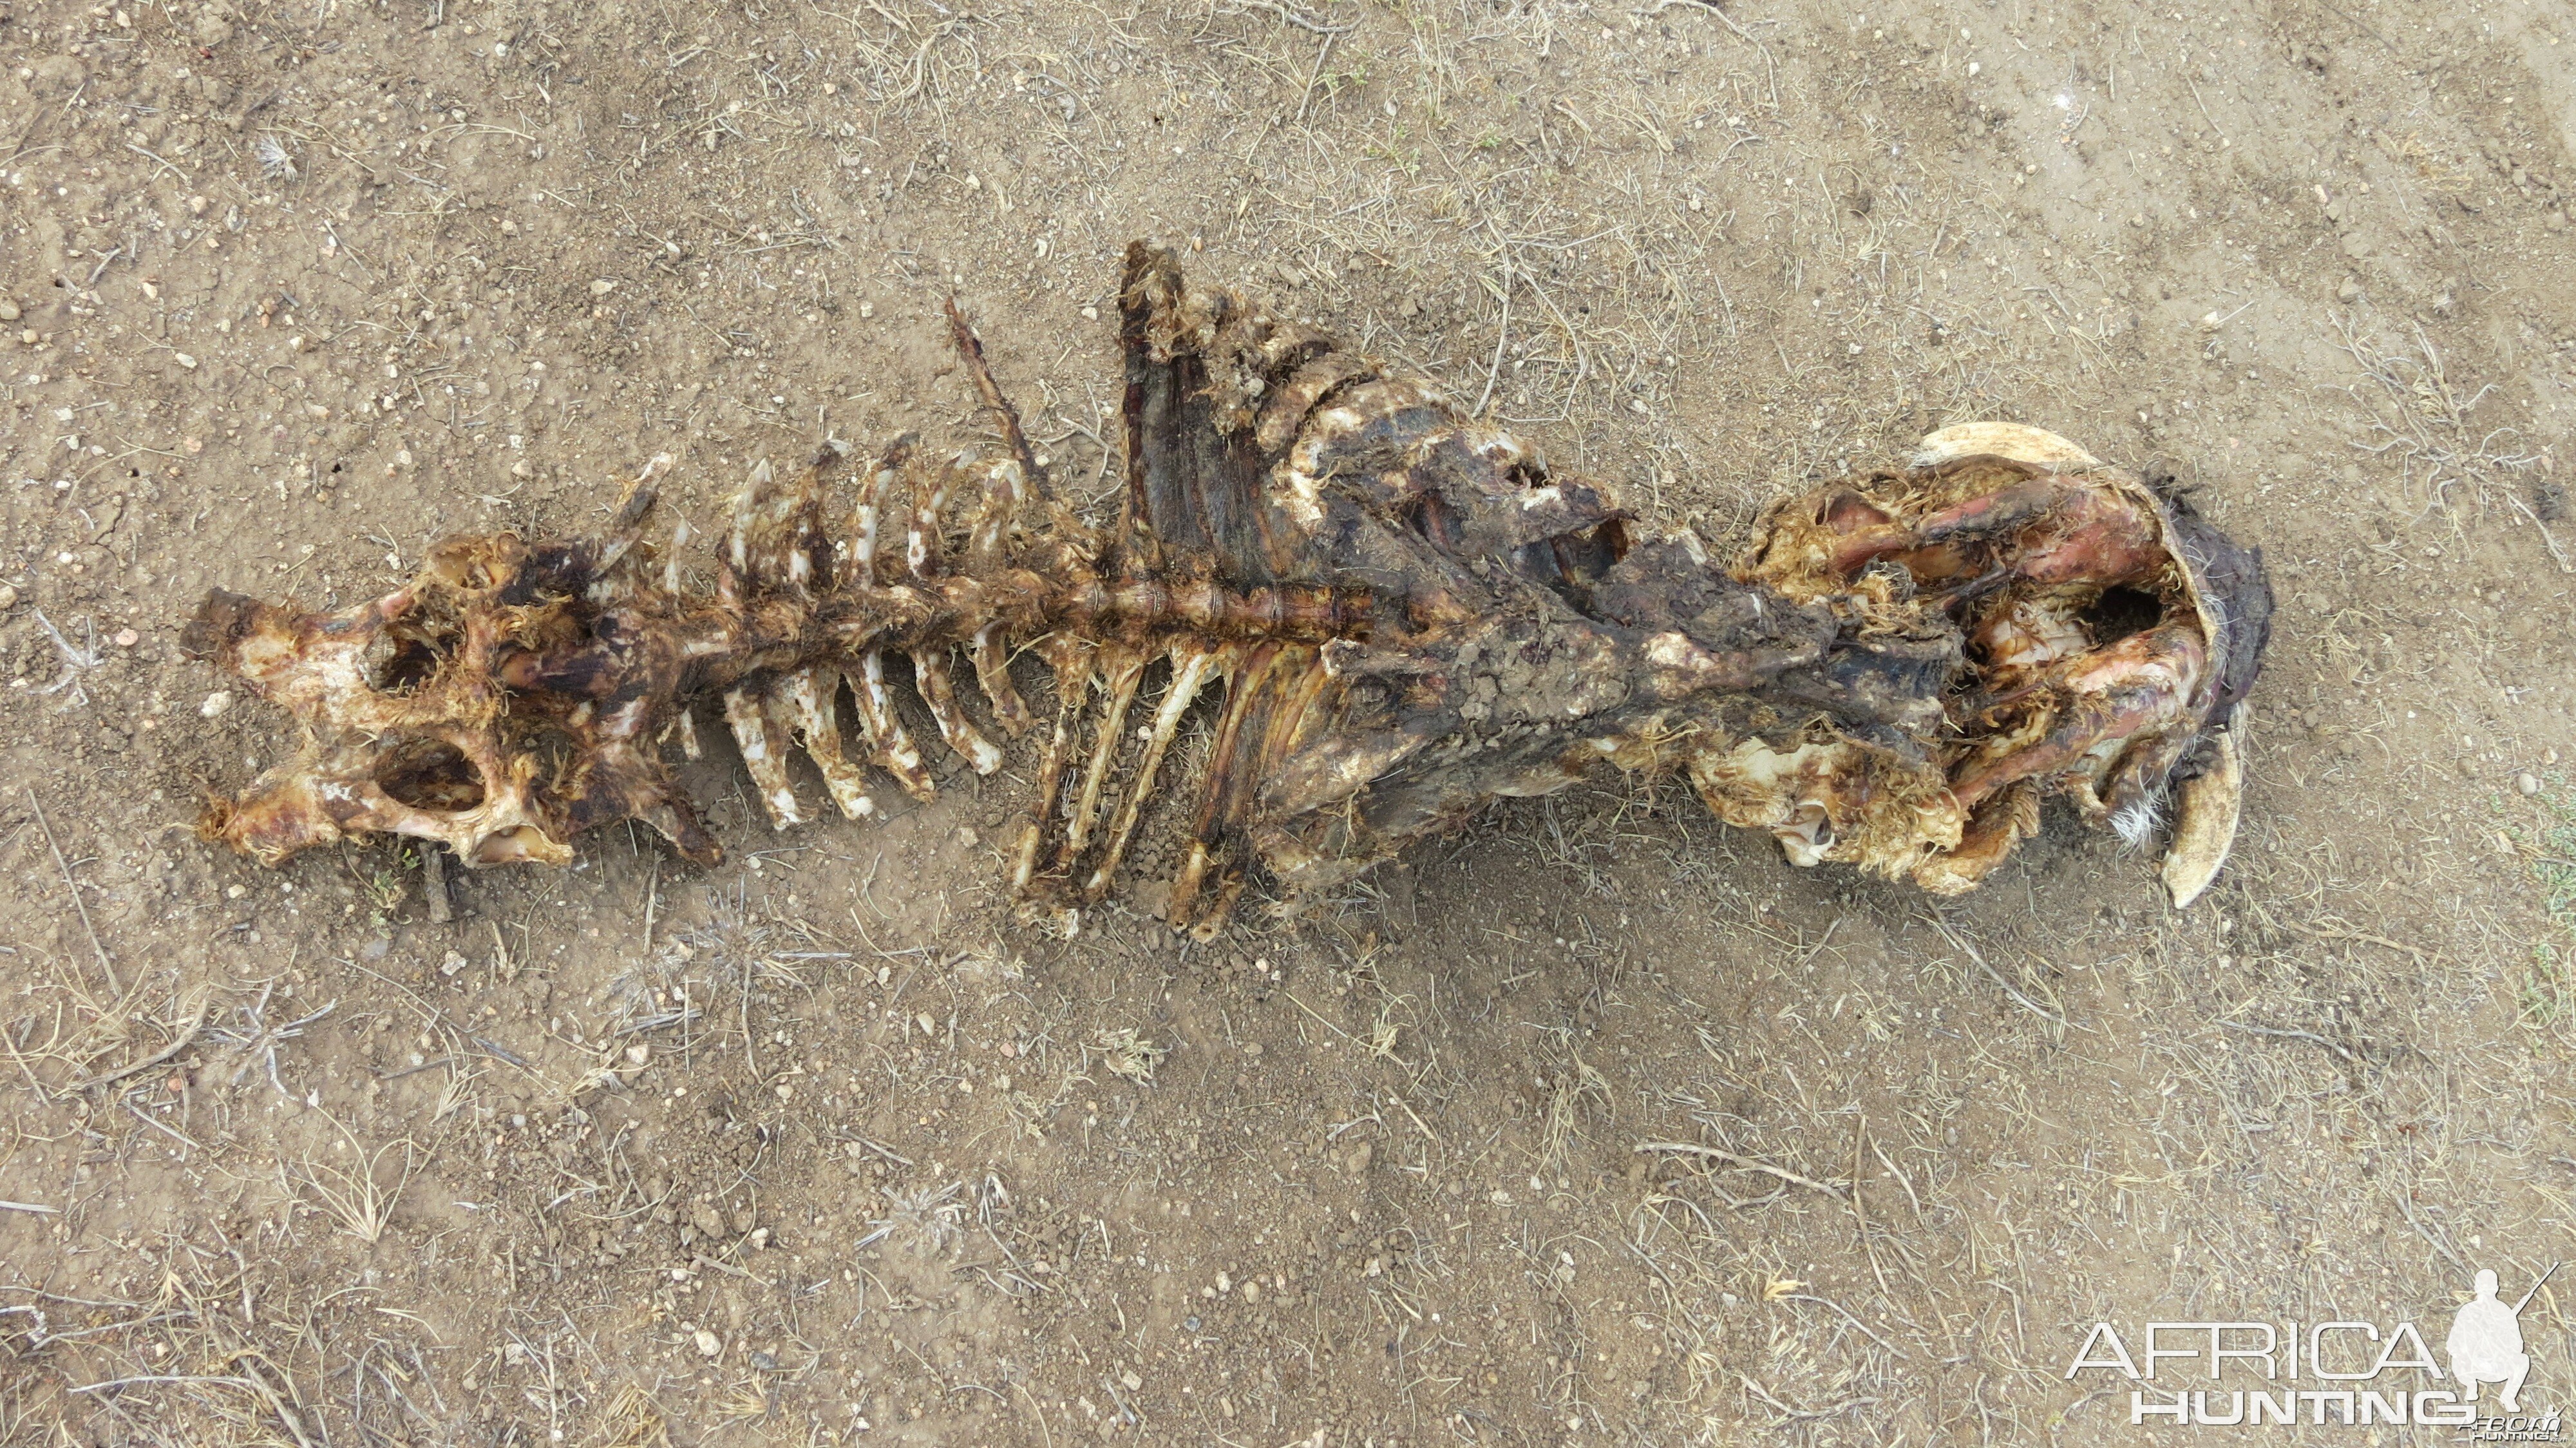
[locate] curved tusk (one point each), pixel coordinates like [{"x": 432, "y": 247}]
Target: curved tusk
[
  {"x": 2205, "y": 826},
  {"x": 2031, "y": 445}
]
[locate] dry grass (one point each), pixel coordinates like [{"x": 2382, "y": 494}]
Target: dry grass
[
  {"x": 2548, "y": 989},
  {"x": 1125, "y": 1053},
  {"x": 2423, "y": 420},
  {"x": 356, "y": 1196}
]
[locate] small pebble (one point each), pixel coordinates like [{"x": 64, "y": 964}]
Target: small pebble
[
  {"x": 8, "y": 311},
  {"x": 8, "y": 597},
  {"x": 216, "y": 703},
  {"x": 127, "y": 638},
  {"x": 2350, "y": 291},
  {"x": 2526, "y": 784},
  {"x": 708, "y": 1343}
]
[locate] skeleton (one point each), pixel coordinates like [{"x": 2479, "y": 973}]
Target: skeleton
[{"x": 1392, "y": 613}]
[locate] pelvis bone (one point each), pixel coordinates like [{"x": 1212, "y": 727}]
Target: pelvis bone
[{"x": 1334, "y": 611}]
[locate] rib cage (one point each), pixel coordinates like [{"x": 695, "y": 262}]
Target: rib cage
[{"x": 1394, "y": 612}]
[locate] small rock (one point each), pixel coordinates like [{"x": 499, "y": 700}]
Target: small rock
[
  {"x": 2556, "y": 220},
  {"x": 8, "y": 311},
  {"x": 452, "y": 964},
  {"x": 708, "y": 1221},
  {"x": 8, "y": 597},
  {"x": 708, "y": 1343},
  {"x": 216, "y": 703},
  {"x": 127, "y": 638},
  {"x": 638, "y": 1054},
  {"x": 2350, "y": 291},
  {"x": 602, "y": 287},
  {"x": 2526, "y": 784}
]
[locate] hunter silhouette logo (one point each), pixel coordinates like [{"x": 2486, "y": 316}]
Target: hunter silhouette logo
[
  {"x": 2362, "y": 1373},
  {"x": 2486, "y": 1341}
]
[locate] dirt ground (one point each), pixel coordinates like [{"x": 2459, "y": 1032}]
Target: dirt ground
[{"x": 820, "y": 1146}]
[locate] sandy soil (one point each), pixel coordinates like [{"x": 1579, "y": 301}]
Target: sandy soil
[{"x": 819, "y": 1146}]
